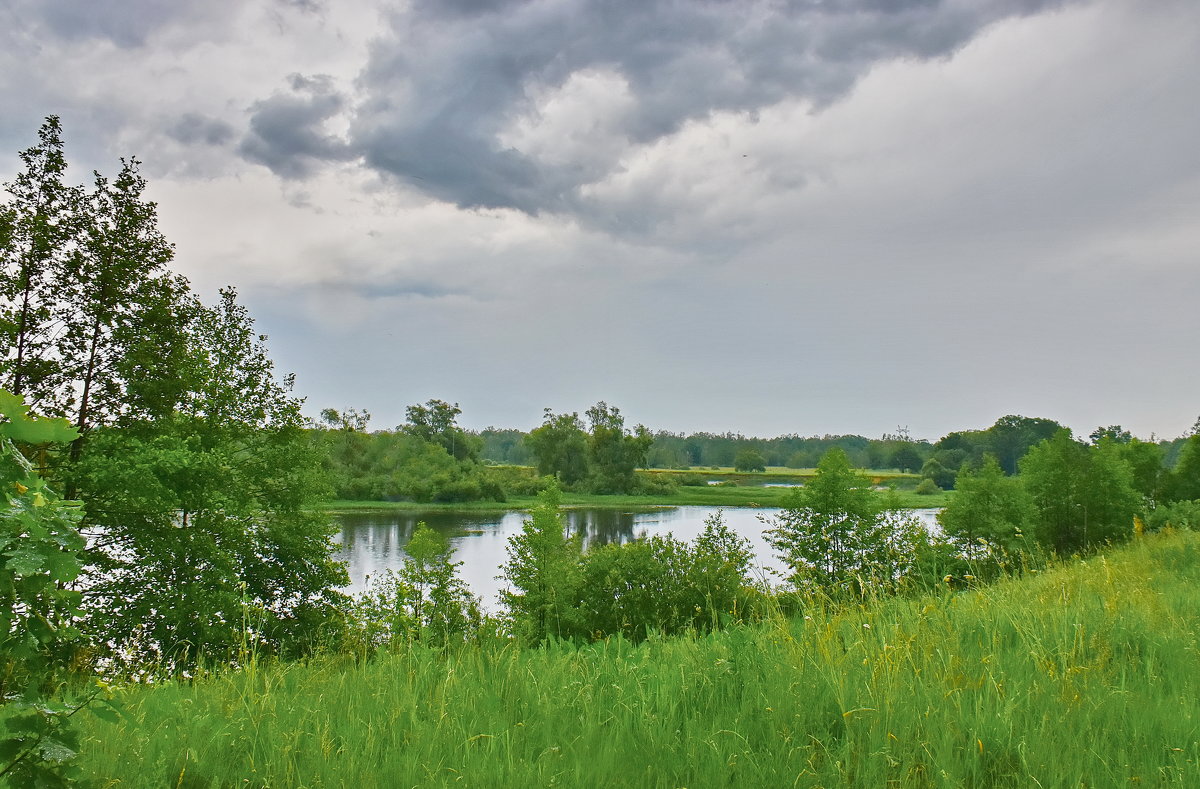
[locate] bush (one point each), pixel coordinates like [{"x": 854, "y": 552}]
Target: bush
[
  {"x": 1180, "y": 515},
  {"x": 927, "y": 487}
]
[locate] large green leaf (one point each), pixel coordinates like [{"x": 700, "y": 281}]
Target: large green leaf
[{"x": 31, "y": 430}]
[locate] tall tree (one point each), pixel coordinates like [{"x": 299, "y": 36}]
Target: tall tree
[
  {"x": 1082, "y": 497},
  {"x": 560, "y": 446},
  {"x": 613, "y": 452},
  {"x": 436, "y": 423},
  {"x": 38, "y": 233},
  {"x": 198, "y": 518}
]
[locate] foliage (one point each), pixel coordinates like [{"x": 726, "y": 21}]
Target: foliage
[
  {"x": 665, "y": 586},
  {"x": 1082, "y": 496},
  {"x": 1177, "y": 515},
  {"x": 543, "y": 574},
  {"x": 601, "y": 459},
  {"x": 1183, "y": 483},
  {"x": 422, "y": 602},
  {"x": 1082, "y": 675},
  {"x": 927, "y": 487},
  {"x": 436, "y": 423},
  {"x": 749, "y": 460},
  {"x": 838, "y": 535},
  {"x": 402, "y": 465},
  {"x": 202, "y": 515},
  {"x": 989, "y": 514},
  {"x": 40, "y": 557}
]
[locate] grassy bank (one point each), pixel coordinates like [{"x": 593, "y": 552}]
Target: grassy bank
[
  {"x": 1084, "y": 675},
  {"x": 737, "y": 495}
]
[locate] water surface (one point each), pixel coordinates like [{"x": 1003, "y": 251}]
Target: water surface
[{"x": 371, "y": 543}]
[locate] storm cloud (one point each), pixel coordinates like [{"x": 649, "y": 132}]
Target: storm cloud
[{"x": 455, "y": 94}]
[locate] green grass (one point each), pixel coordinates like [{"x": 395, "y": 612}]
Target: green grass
[{"x": 1085, "y": 675}]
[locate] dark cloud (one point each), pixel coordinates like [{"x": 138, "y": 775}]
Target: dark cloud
[
  {"x": 447, "y": 78},
  {"x": 127, "y": 23},
  {"x": 196, "y": 129},
  {"x": 286, "y": 131}
]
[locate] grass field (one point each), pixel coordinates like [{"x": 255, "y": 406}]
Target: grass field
[{"x": 1085, "y": 675}]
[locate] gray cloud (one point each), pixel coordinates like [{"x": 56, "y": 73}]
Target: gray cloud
[
  {"x": 195, "y": 129},
  {"x": 126, "y": 23},
  {"x": 447, "y": 78},
  {"x": 286, "y": 131}
]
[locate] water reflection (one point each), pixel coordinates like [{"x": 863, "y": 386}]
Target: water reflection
[{"x": 371, "y": 543}]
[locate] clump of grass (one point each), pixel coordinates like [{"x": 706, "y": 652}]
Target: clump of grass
[{"x": 1081, "y": 675}]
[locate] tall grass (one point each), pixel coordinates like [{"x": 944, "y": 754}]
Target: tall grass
[{"x": 1082, "y": 675}]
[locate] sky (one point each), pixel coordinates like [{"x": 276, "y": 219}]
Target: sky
[{"x": 759, "y": 216}]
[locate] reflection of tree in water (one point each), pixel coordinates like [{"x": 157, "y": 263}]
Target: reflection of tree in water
[
  {"x": 601, "y": 527},
  {"x": 385, "y": 533}
]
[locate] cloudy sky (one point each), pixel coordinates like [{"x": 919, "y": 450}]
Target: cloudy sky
[{"x": 764, "y": 216}]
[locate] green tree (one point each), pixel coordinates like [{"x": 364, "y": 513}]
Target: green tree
[
  {"x": 543, "y": 574},
  {"x": 436, "y": 423},
  {"x": 749, "y": 460},
  {"x": 1082, "y": 497},
  {"x": 38, "y": 230},
  {"x": 1013, "y": 436},
  {"x": 560, "y": 446},
  {"x": 206, "y": 515},
  {"x": 613, "y": 452},
  {"x": 424, "y": 601},
  {"x": 989, "y": 513},
  {"x": 905, "y": 457},
  {"x": 1183, "y": 483},
  {"x": 836, "y": 534}
]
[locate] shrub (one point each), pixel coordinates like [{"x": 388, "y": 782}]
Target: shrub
[{"x": 927, "y": 487}]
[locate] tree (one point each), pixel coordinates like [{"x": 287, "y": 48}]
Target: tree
[
  {"x": 941, "y": 476},
  {"x": 192, "y": 456},
  {"x": 1082, "y": 497},
  {"x": 1012, "y": 437},
  {"x": 989, "y": 513},
  {"x": 435, "y": 422},
  {"x": 424, "y": 601},
  {"x": 838, "y": 535},
  {"x": 203, "y": 518},
  {"x": 560, "y": 446},
  {"x": 749, "y": 460},
  {"x": 905, "y": 457},
  {"x": 613, "y": 452},
  {"x": 543, "y": 574},
  {"x": 38, "y": 228},
  {"x": 1183, "y": 483}
]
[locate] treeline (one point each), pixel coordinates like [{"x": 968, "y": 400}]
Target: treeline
[{"x": 432, "y": 459}]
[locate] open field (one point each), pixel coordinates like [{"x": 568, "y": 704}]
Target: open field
[{"x": 1082, "y": 675}]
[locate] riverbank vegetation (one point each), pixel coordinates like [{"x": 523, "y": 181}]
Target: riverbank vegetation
[
  {"x": 164, "y": 524},
  {"x": 1080, "y": 675}
]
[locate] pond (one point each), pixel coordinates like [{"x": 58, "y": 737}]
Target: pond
[{"x": 371, "y": 543}]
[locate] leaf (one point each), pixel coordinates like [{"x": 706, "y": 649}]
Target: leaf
[
  {"x": 31, "y": 430},
  {"x": 24, "y": 561},
  {"x": 55, "y": 751}
]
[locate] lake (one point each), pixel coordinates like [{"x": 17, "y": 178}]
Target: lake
[{"x": 371, "y": 543}]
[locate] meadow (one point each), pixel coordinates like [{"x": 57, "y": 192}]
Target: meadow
[{"x": 1084, "y": 675}]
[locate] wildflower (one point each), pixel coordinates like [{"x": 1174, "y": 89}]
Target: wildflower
[{"x": 948, "y": 579}]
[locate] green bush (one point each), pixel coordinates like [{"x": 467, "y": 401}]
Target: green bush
[{"x": 927, "y": 487}]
